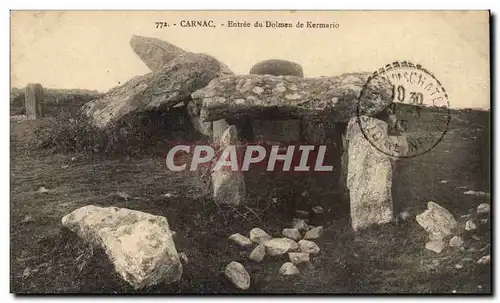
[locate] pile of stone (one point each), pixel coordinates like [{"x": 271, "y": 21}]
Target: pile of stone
[{"x": 294, "y": 241}]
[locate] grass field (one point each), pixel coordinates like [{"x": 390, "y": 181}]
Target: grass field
[{"x": 386, "y": 259}]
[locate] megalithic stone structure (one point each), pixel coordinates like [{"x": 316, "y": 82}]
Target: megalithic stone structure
[
  {"x": 34, "y": 96},
  {"x": 228, "y": 185}
]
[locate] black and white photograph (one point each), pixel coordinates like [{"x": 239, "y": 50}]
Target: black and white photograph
[{"x": 195, "y": 152}]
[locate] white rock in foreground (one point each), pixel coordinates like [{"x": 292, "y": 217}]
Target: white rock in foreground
[
  {"x": 483, "y": 208},
  {"x": 456, "y": 241},
  {"x": 314, "y": 233},
  {"x": 289, "y": 269},
  {"x": 291, "y": 233},
  {"x": 280, "y": 246},
  {"x": 238, "y": 275},
  {"x": 240, "y": 240},
  {"x": 437, "y": 221},
  {"x": 470, "y": 225},
  {"x": 259, "y": 236},
  {"x": 258, "y": 253},
  {"x": 310, "y": 247},
  {"x": 140, "y": 245},
  {"x": 484, "y": 260}
]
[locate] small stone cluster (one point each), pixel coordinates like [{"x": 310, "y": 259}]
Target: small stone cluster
[{"x": 294, "y": 241}]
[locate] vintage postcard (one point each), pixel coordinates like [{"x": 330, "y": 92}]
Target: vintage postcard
[{"x": 213, "y": 152}]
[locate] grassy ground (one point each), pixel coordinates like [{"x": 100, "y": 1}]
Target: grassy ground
[{"x": 385, "y": 259}]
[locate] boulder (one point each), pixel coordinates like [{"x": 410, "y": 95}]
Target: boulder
[
  {"x": 164, "y": 88},
  {"x": 309, "y": 247},
  {"x": 157, "y": 53},
  {"x": 437, "y": 221},
  {"x": 238, "y": 275},
  {"x": 258, "y": 253},
  {"x": 298, "y": 257},
  {"x": 314, "y": 233},
  {"x": 289, "y": 269},
  {"x": 483, "y": 208},
  {"x": 456, "y": 241},
  {"x": 139, "y": 245},
  {"x": 280, "y": 246},
  {"x": 259, "y": 236},
  {"x": 484, "y": 260},
  {"x": 470, "y": 225},
  {"x": 337, "y": 99},
  {"x": 277, "y": 67},
  {"x": 300, "y": 224},
  {"x": 291, "y": 233},
  {"x": 369, "y": 176},
  {"x": 240, "y": 240}
]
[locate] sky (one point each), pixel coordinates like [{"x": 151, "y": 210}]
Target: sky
[{"x": 90, "y": 49}]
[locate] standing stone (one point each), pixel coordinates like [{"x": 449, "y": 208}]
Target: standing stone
[
  {"x": 228, "y": 185},
  {"x": 34, "y": 97},
  {"x": 369, "y": 176}
]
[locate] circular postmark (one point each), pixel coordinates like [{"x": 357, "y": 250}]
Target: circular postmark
[{"x": 419, "y": 112}]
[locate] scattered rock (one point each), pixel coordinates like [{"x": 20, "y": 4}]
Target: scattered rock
[
  {"x": 437, "y": 221},
  {"x": 483, "y": 221},
  {"x": 470, "y": 225},
  {"x": 169, "y": 195},
  {"x": 289, "y": 269},
  {"x": 259, "y": 236},
  {"x": 291, "y": 233},
  {"x": 139, "y": 245},
  {"x": 302, "y": 214},
  {"x": 240, "y": 240},
  {"x": 64, "y": 166},
  {"x": 484, "y": 260},
  {"x": 280, "y": 246},
  {"x": 238, "y": 275},
  {"x": 476, "y": 193},
  {"x": 258, "y": 253},
  {"x": 483, "y": 208},
  {"x": 310, "y": 247},
  {"x": 300, "y": 224},
  {"x": 459, "y": 266},
  {"x": 456, "y": 241},
  {"x": 183, "y": 258},
  {"x": 318, "y": 210},
  {"x": 443, "y": 181},
  {"x": 436, "y": 246},
  {"x": 314, "y": 233},
  {"x": 298, "y": 257}
]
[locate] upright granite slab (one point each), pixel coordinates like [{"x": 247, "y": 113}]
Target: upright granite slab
[{"x": 369, "y": 176}]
